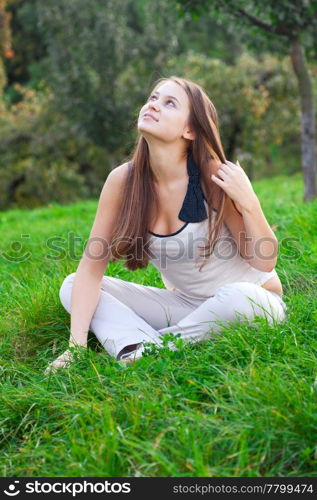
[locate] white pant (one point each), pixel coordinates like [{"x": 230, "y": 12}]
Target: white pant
[{"x": 129, "y": 313}]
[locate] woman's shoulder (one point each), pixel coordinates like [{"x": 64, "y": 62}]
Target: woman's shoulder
[
  {"x": 115, "y": 181},
  {"x": 121, "y": 171}
]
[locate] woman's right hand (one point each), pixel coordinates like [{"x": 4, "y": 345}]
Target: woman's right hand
[{"x": 61, "y": 362}]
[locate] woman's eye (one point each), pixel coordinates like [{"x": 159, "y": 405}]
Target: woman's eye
[{"x": 169, "y": 100}]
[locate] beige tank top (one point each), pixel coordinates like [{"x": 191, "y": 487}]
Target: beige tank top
[{"x": 176, "y": 256}]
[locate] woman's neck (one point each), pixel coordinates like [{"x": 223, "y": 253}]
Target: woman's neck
[{"x": 168, "y": 164}]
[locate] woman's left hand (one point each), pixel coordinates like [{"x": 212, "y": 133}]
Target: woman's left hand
[{"x": 235, "y": 182}]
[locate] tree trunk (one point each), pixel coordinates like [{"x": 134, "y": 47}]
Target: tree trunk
[{"x": 308, "y": 133}]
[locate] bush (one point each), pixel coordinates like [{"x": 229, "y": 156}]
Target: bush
[
  {"x": 258, "y": 107},
  {"x": 43, "y": 158}
]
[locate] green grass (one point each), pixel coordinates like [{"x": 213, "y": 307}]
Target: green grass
[{"x": 243, "y": 405}]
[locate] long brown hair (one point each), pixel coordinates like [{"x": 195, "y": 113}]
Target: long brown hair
[{"x": 130, "y": 237}]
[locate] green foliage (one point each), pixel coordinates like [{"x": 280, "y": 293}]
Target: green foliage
[
  {"x": 3, "y": 79},
  {"x": 270, "y": 25},
  {"x": 27, "y": 65},
  {"x": 170, "y": 343},
  {"x": 75, "y": 118},
  {"x": 258, "y": 108},
  {"x": 205, "y": 35},
  {"x": 42, "y": 159},
  {"x": 88, "y": 54}
]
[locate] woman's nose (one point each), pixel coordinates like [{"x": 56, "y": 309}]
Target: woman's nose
[{"x": 154, "y": 105}]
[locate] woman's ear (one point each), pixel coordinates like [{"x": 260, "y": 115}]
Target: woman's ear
[{"x": 189, "y": 134}]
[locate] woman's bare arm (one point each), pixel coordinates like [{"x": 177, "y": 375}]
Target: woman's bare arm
[
  {"x": 87, "y": 282},
  {"x": 93, "y": 264}
]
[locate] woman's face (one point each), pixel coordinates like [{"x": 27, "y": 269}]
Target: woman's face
[{"x": 169, "y": 105}]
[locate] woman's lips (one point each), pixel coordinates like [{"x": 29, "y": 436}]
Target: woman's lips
[{"x": 147, "y": 115}]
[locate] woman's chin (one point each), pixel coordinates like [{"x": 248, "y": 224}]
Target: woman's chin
[
  {"x": 146, "y": 131},
  {"x": 144, "y": 126}
]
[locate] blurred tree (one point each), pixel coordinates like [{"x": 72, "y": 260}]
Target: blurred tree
[
  {"x": 285, "y": 27},
  {"x": 257, "y": 104},
  {"x": 90, "y": 43},
  {"x": 5, "y": 43},
  {"x": 60, "y": 137},
  {"x": 5, "y": 30},
  {"x": 60, "y": 140},
  {"x": 204, "y": 36},
  {"x": 28, "y": 64},
  {"x": 42, "y": 158}
]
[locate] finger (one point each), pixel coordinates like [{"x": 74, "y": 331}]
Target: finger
[
  {"x": 60, "y": 362},
  {"x": 49, "y": 370},
  {"x": 226, "y": 168},
  {"x": 223, "y": 174},
  {"x": 54, "y": 365},
  {"x": 239, "y": 166},
  {"x": 53, "y": 368},
  {"x": 218, "y": 181},
  {"x": 231, "y": 164}
]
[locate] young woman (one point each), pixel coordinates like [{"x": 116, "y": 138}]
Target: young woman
[{"x": 182, "y": 206}]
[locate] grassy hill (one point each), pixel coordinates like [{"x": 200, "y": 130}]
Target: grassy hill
[{"x": 245, "y": 405}]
